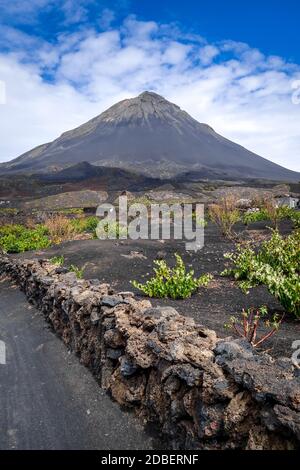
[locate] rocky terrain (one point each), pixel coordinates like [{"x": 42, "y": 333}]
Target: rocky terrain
[
  {"x": 77, "y": 187},
  {"x": 22, "y": 187},
  {"x": 79, "y": 199}
]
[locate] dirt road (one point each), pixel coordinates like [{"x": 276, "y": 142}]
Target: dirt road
[{"x": 47, "y": 399}]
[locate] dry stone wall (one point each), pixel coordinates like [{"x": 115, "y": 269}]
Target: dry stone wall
[{"x": 201, "y": 392}]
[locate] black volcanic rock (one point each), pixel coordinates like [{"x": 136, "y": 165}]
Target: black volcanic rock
[
  {"x": 152, "y": 136},
  {"x": 109, "y": 179},
  {"x": 83, "y": 171}
]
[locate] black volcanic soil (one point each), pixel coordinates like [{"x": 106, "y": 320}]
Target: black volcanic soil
[{"x": 118, "y": 262}]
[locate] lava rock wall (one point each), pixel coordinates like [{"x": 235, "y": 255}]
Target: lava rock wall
[{"x": 201, "y": 392}]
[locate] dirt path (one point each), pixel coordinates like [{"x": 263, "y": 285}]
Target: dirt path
[{"x": 47, "y": 399}]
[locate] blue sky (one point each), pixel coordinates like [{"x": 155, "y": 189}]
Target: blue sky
[
  {"x": 270, "y": 25},
  {"x": 234, "y": 65}
]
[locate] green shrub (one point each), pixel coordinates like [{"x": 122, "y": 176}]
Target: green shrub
[
  {"x": 78, "y": 271},
  {"x": 290, "y": 213},
  {"x": 251, "y": 217},
  {"x": 276, "y": 265},
  {"x": 270, "y": 212},
  {"x": 18, "y": 238},
  {"x": 57, "y": 260},
  {"x": 295, "y": 218},
  {"x": 175, "y": 283},
  {"x": 199, "y": 221},
  {"x": 142, "y": 200},
  {"x": 86, "y": 224}
]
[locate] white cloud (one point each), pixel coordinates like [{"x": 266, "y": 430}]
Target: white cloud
[
  {"x": 27, "y": 12},
  {"x": 176, "y": 53},
  {"x": 244, "y": 95},
  {"x": 207, "y": 54}
]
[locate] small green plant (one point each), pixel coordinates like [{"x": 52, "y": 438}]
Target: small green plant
[
  {"x": 78, "y": 271},
  {"x": 273, "y": 213},
  {"x": 85, "y": 224},
  {"x": 57, "y": 260},
  {"x": 144, "y": 200},
  {"x": 290, "y": 213},
  {"x": 251, "y": 217},
  {"x": 275, "y": 264},
  {"x": 247, "y": 326},
  {"x": 18, "y": 238},
  {"x": 199, "y": 221},
  {"x": 295, "y": 218},
  {"x": 111, "y": 230},
  {"x": 175, "y": 283}
]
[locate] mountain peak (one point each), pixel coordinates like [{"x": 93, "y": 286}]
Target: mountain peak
[
  {"x": 144, "y": 108},
  {"x": 150, "y": 95}
]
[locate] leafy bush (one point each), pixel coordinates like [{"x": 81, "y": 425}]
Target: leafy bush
[
  {"x": 251, "y": 217},
  {"x": 86, "y": 224},
  {"x": 142, "y": 200},
  {"x": 269, "y": 211},
  {"x": 57, "y": 260},
  {"x": 18, "y": 238},
  {"x": 276, "y": 265},
  {"x": 247, "y": 326},
  {"x": 280, "y": 253},
  {"x": 78, "y": 271},
  {"x": 175, "y": 283},
  {"x": 225, "y": 214},
  {"x": 290, "y": 213},
  {"x": 199, "y": 221},
  {"x": 295, "y": 218}
]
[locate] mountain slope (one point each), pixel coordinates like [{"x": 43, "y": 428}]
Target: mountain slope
[
  {"x": 151, "y": 135},
  {"x": 106, "y": 178}
]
